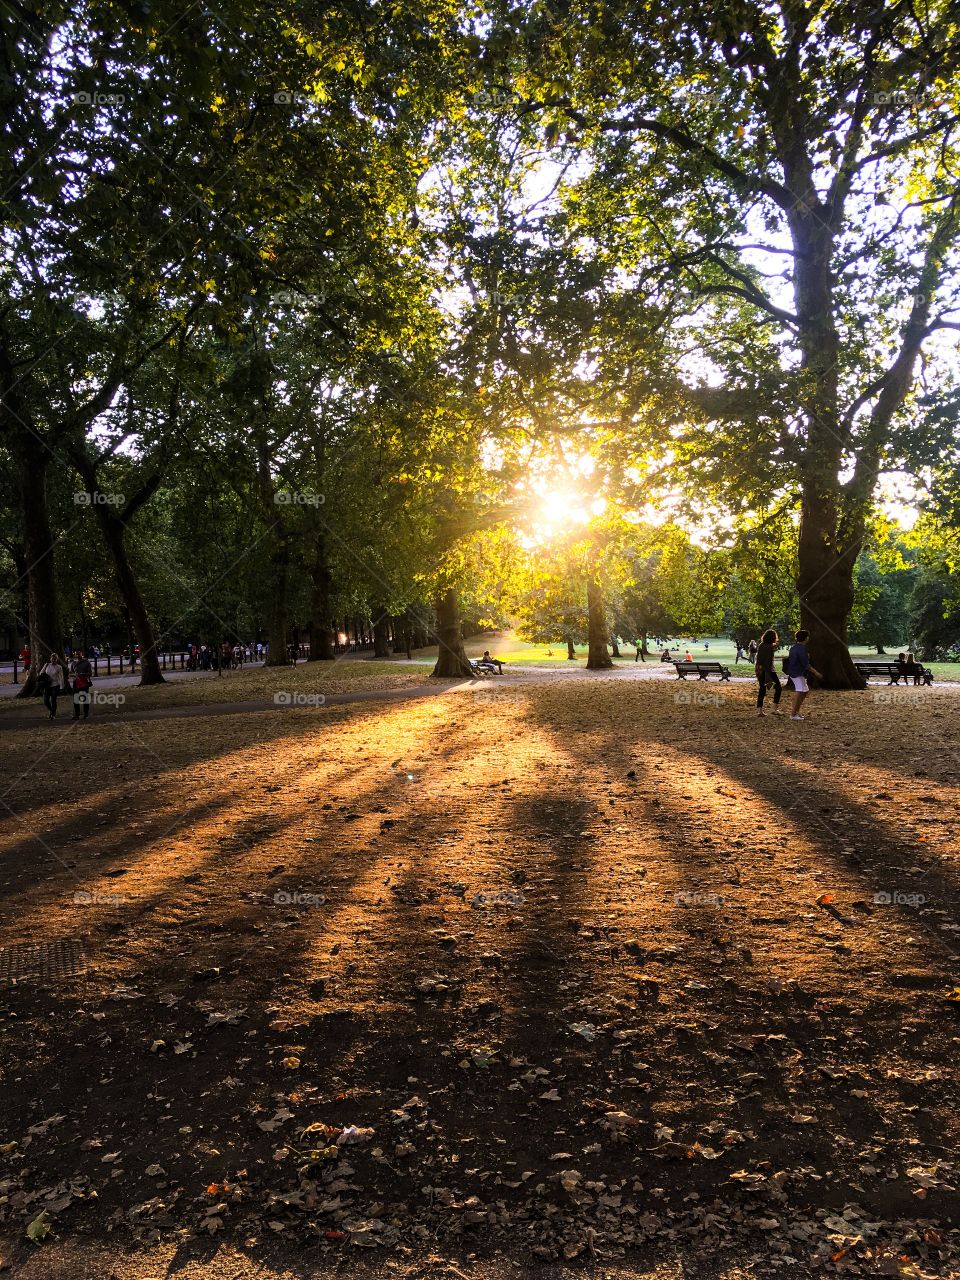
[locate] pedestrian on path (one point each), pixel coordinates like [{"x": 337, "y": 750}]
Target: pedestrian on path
[
  {"x": 82, "y": 682},
  {"x": 52, "y": 681},
  {"x": 799, "y": 670},
  {"x": 765, "y": 672}
]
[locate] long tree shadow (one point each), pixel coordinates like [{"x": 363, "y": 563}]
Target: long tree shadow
[
  {"x": 612, "y": 1005},
  {"x": 769, "y": 1017}
]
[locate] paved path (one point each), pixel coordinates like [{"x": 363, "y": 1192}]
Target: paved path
[
  {"x": 38, "y": 718},
  {"x": 34, "y": 715},
  {"x": 131, "y": 679}
]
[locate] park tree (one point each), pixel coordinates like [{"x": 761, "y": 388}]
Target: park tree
[
  {"x": 883, "y": 590},
  {"x": 933, "y": 607},
  {"x": 550, "y": 607},
  {"x": 760, "y": 559},
  {"x": 670, "y": 585},
  {"x": 217, "y": 170},
  {"x": 934, "y": 612},
  {"x": 772, "y": 191}
]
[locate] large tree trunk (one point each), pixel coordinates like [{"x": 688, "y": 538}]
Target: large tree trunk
[
  {"x": 451, "y": 658},
  {"x": 598, "y": 656},
  {"x": 825, "y": 586},
  {"x": 137, "y": 617},
  {"x": 43, "y": 616},
  {"x": 321, "y": 626},
  {"x": 277, "y": 619},
  {"x": 381, "y": 633}
]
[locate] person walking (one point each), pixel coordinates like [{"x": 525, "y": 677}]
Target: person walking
[
  {"x": 799, "y": 670},
  {"x": 54, "y": 682},
  {"x": 752, "y": 650},
  {"x": 766, "y": 673},
  {"x": 82, "y": 681}
]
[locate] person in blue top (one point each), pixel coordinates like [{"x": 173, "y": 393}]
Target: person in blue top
[{"x": 799, "y": 670}]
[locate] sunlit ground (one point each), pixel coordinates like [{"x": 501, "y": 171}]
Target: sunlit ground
[{"x": 605, "y": 971}]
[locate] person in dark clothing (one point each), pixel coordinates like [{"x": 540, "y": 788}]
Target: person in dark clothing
[
  {"x": 912, "y": 669},
  {"x": 766, "y": 674},
  {"x": 799, "y": 670},
  {"x": 82, "y": 680}
]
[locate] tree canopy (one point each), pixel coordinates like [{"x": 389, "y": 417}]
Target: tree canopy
[{"x": 308, "y": 316}]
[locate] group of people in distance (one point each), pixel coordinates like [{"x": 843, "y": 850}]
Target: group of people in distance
[
  {"x": 797, "y": 668},
  {"x": 231, "y": 655}
]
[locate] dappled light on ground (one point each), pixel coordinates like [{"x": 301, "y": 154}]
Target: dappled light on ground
[{"x": 606, "y": 973}]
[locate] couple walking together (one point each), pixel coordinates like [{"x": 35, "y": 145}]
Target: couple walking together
[{"x": 797, "y": 667}]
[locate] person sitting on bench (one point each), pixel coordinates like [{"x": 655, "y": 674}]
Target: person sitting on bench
[
  {"x": 487, "y": 663},
  {"x": 911, "y": 668}
]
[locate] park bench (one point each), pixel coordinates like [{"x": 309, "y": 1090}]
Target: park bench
[
  {"x": 480, "y": 669},
  {"x": 892, "y": 671},
  {"x": 703, "y": 670}
]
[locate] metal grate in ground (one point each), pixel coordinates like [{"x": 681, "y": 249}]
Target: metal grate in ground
[{"x": 42, "y": 961}]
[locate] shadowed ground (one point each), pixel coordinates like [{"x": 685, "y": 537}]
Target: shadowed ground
[{"x": 560, "y": 948}]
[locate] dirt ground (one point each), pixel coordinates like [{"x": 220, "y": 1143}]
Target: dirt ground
[
  {"x": 183, "y": 689},
  {"x": 595, "y": 977}
]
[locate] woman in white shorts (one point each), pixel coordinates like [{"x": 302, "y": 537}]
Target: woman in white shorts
[{"x": 799, "y": 670}]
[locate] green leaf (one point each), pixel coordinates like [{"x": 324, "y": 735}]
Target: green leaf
[{"x": 39, "y": 1228}]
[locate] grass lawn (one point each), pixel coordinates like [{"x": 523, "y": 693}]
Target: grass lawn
[
  {"x": 521, "y": 653},
  {"x": 475, "y": 984}
]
